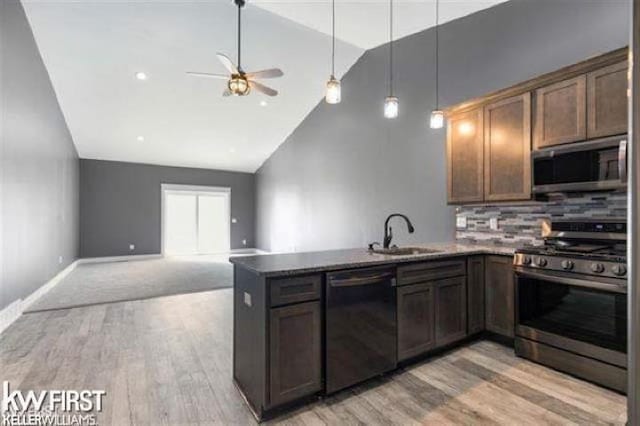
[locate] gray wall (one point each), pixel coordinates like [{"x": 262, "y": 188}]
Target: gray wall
[
  {"x": 39, "y": 170},
  {"x": 120, "y": 204},
  {"x": 337, "y": 176}
]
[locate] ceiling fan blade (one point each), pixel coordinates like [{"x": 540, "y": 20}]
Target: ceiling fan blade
[
  {"x": 270, "y": 73},
  {"x": 228, "y": 64},
  {"x": 208, "y": 75},
  {"x": 262, "y": 88}
]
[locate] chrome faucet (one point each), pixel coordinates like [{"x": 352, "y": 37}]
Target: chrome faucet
[{"x": 388, "y": 231}]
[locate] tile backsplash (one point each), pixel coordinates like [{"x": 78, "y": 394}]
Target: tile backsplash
[{"x": 520, "y": 223}]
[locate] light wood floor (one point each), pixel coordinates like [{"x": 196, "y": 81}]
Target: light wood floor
[{"x": 168, "y": 361}]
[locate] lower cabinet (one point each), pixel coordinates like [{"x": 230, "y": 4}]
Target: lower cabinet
[
  {"x": 431, "y": 314},
  {"x": 451, "y": 310},
  {"x": 475, "y": 294},
  {"x": 416, "y": 314},
  {"x": 294, "y": 352},
  {"x": 500, "y": 294}
]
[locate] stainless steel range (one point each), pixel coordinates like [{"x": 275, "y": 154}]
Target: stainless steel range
[{"x": 571, "y": 300}]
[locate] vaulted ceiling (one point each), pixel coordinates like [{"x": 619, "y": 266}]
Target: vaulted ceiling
[{"x": 93, "y": 49}]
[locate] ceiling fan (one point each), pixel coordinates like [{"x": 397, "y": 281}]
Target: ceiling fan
[{"x": 239, "y": 82}]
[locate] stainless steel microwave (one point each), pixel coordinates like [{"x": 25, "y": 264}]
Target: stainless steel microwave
[{"x": 596, "y": 165}]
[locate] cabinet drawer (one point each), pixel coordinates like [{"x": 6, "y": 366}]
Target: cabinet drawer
[
  {"x": 429, "y": 271},
  {"x": 295, "y": 289}
]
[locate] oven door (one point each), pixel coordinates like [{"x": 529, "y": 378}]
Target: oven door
[
  {"x": 582, "y": 316},
  {"x": 587, "y": 166}
]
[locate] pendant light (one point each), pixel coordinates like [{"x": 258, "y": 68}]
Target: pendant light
[
  {"x": 391, "y": 102},
  {"x": 437, "y": 115},
  {"x": 333, "y": 95}
]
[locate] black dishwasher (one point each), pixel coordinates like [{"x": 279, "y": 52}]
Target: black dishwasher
[{"x": 360, "y": 326}]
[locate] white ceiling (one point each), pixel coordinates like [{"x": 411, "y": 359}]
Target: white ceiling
[
  {"x": 93, "y": 48},
  {"x": 365, "y": 23}
]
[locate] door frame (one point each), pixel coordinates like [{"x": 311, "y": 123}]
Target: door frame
[{"x": 195, "y": 190}]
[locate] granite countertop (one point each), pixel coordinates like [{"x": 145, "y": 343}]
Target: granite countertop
[{"x": 319, "y": 261}]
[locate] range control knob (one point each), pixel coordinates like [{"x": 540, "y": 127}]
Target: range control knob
[
  {"x": 619, "y": 270},
  {"x": 567, "y": 265},
  {"x": 598, "y": 268},
  {"x": 526, "y": 260},
  {"x": 541, "y": 261}
]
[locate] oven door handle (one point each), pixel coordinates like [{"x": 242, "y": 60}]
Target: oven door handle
[
  {"x": 597, "y": 285},
  {"x": 622, "y": 161}
]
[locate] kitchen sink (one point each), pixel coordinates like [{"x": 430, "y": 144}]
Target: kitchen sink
[{"x": 404, "y": 251}]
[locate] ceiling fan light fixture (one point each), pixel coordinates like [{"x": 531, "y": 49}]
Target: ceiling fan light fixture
[
  {"x": 239, "y": 86},
  {"x": 437, "y": 119},
  {"x": 391, "y": 107},
  {"x": 333, "y": 95}
]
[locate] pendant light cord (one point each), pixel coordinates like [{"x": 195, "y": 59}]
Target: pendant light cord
[
  {"x": 333, "y": 38},
  {"x": 390, "y": 47},
  {"x": 437, "y": 55},
  {"x": 239, "y": 33}
]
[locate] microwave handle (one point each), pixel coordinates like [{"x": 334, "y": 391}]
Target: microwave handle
[{"x": 622, "y": 161}]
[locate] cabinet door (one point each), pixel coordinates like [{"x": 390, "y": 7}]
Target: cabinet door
[
  {"x": 416, "y": 314},
  {"x": 507, "y": 155},
  {"x": 475, "y": 294},
  {"x": 451, "y": 310},
  {"x": 499, "y": 297},
  {"x": 561, "y": 113},
  {"x": 294, "y": 348},
  {"x": 607, "y": 101},
  {"x": 465, "y": 154}
]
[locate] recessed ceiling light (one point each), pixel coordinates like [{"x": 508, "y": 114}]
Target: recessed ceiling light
[
  {"x": 141, "y": 76},
  {"x": 232, "y": 150},
  {"x": 263, "y": 103},
  {"x": 140, "y": 138}
]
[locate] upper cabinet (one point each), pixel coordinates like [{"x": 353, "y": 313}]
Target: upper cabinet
[
  {"x": 490, "y": 139},
  {"x": 561, "y": 112},
  {"x": 465, "y": 152},
  {"x": 607, "y": 101},
  {"x": 507, "y": 149}
]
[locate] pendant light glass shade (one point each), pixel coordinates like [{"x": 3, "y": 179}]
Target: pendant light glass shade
[
  {"x": 333, "y": 95},
  {"x": 437, "y": 119},
  {"x": 391, "y": 107}
]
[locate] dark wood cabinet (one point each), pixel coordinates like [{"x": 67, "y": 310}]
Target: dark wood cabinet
[
  {"x": 295, "y": 352},
  {"x": 561, "y": 113},
  {"x": 607, "y": 101},
  {"x": 416, "y": 314},
  {"x": 465, "y": 157},
  {"x": 507, "y": 152},
  {"x": 475, "y": 294},
  {"x": 499, "y": 295},
  {"x": 451, "y": 310}
]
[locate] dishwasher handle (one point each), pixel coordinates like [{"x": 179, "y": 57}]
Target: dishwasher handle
[{"x": 361, "y": 278}]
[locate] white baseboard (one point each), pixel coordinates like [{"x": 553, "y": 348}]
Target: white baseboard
[
  {"x": 106, "y": 259},
  {"x": 12, "y": 312}
]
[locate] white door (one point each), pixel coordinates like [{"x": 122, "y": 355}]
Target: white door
[{"x": 196, "y": 220}]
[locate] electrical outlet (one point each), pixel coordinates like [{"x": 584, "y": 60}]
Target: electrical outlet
[
  {"x": 234, "y": 220},
  {"x": 461, "y": 222},
  {"x": 493, "y": 224},
  {"x": 244, "y": 242},
  {"x": 132, "y": 247},
  {"x": 247, "y": 299},
  {"x": 60, "y": 259}
]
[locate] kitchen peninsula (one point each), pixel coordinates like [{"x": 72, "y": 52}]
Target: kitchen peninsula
[{"x": 309, "y": 324}]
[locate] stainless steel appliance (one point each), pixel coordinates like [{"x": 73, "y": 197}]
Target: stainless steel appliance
[
  {"x": 571, "y": 300},
  {"x": 360, "y": 326},
  {"x": 587, "y": 166}
]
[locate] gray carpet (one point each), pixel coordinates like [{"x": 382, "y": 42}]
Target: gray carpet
[{"x": 95, "y": 283}]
